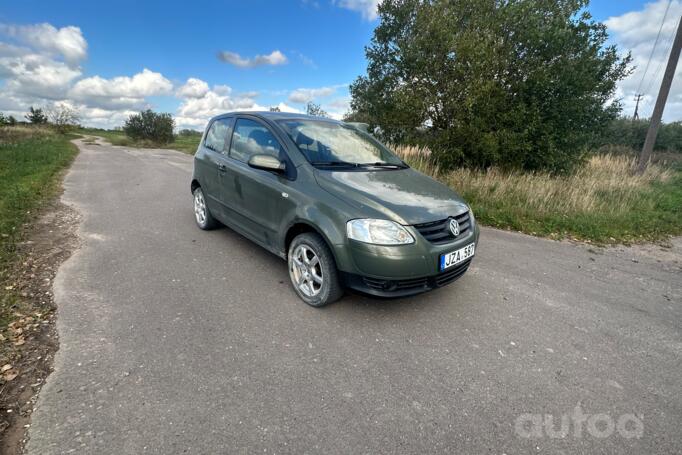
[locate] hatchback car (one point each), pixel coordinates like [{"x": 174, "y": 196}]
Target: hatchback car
[{"x": 336, "y": 204}]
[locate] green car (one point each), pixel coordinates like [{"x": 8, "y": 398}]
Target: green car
[{"x": 342, "y": 209}]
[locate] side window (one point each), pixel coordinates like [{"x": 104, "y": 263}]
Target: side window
[
  {"x": 217, "y": 134},
  {"x": 251, "y": 138}
]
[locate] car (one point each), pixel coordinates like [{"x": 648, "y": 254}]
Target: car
[{"x": 342, "y": 209}]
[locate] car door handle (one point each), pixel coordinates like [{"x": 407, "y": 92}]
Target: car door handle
[{"x": 222, "y": 168}]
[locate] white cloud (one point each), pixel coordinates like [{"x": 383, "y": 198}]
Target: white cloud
[
  {"x": 305, "y": 95},
  {"x": 273, "y": 58},
  {"x": 67, "y": 42},
  {"x": 36, "y": 75},
  {"x": 636, "y": 32},
  {"x": 368, "y": 8},
  {"x": 193, "y": 88},
  {"x": 122, "y": 91},
  {"x": 195, "y": 111}
]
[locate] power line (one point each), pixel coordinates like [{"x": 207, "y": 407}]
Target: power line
[
  {"x": 658, "y": 35},
  {"x": 662, "y": 62}
]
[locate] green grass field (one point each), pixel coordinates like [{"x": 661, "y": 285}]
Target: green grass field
[{"x": 31, "y": 163}]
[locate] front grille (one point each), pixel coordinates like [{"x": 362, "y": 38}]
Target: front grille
[
  {"x": 439, "y": 231},
  {"x": 396, "y": 285}
]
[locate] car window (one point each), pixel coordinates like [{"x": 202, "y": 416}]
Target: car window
[
  {"x": 328, "y": 142},
  {"x": 252, "y": 138},
  {"x": 217, "y": 134}
]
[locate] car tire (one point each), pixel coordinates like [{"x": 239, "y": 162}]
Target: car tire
[
  {"x": 316, "y": 281},
  {"x": 202, "y": 215}
]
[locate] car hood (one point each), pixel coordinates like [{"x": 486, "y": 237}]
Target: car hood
[{"x": 405, "y": 195}]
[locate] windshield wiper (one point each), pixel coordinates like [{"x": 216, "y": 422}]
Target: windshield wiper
[
  {"x": 334, "y": 164},
  {"x": 385, "y": 164}
]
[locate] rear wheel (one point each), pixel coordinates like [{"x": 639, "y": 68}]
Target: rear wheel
[
  {"x": 313, "y": 271},
  {"x": 202, "y": 215}
]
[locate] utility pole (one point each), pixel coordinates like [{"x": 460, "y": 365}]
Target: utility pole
[
  {"x": 648, "y": 148},
  {"x": 638, "y": 98}
]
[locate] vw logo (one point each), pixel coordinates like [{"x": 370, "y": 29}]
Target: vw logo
[{"x": 454, "y": 227}]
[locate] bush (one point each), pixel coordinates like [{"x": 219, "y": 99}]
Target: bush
[{"x": 151, "y": 126}]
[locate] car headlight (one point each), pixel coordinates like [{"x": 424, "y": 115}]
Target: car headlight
[{"x": 378, "y": 232}]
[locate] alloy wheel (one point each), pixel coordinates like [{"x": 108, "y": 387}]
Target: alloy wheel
[
  {"x": 199, "y": 207},
  {"x": 306, "y": 270}
]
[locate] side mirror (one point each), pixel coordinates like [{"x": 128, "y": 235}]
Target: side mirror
[{"x": 267, "y": 163}]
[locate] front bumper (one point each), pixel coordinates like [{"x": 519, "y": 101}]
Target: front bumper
[
  {"x": 403, "y": 287},
  {"x": 398, "y": 271}
]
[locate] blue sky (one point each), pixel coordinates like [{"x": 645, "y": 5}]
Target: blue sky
[{"x": 110, "y": 60}]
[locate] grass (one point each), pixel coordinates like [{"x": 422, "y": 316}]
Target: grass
[
  {"x": 31, "y": 162},
  {"x": 185, "y": 144},
  {"x": 603, "y": 202}
]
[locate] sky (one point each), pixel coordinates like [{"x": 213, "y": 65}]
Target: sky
[{"x": 203, "y": 58}]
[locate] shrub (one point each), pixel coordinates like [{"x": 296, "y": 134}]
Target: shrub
[{"x": 151, "y": 126}]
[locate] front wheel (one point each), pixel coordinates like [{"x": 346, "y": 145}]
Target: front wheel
[
  {"x": 202, "y": 215},
  {"x": 313, "y": 271}
]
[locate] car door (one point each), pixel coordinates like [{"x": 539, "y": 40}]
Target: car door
[
  {"x": 261, "y": 196},
  {"x": 216, "y": 178}
]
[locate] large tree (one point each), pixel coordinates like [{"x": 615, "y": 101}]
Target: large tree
[{"x": 516, "y": 83}]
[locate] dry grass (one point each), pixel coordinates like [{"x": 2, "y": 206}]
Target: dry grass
[
  {"x": 604, "y": 191},
  {"x": 14, "y": 134}
]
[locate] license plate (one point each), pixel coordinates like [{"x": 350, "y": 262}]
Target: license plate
[{"x": 454, "y": 258}]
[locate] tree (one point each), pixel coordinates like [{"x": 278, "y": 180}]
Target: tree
[
  {"x": 11, "y": 120},
  {"x": 315, "y": 110},
  {"x": 36, "y": 116},
  {"x": 151, "y": 126},
  {"x": 275, "y": 109},
  {"x": 63, "y": 117},
  {"x": 515, "y": 83}
]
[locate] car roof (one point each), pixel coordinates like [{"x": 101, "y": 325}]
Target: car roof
[{"x": 270, "y": 115}]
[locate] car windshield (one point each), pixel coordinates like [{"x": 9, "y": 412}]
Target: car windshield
[{"x": 327, "y": 143}]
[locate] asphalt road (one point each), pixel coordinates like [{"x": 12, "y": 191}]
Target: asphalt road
[{"x": 175, "y": 340}]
